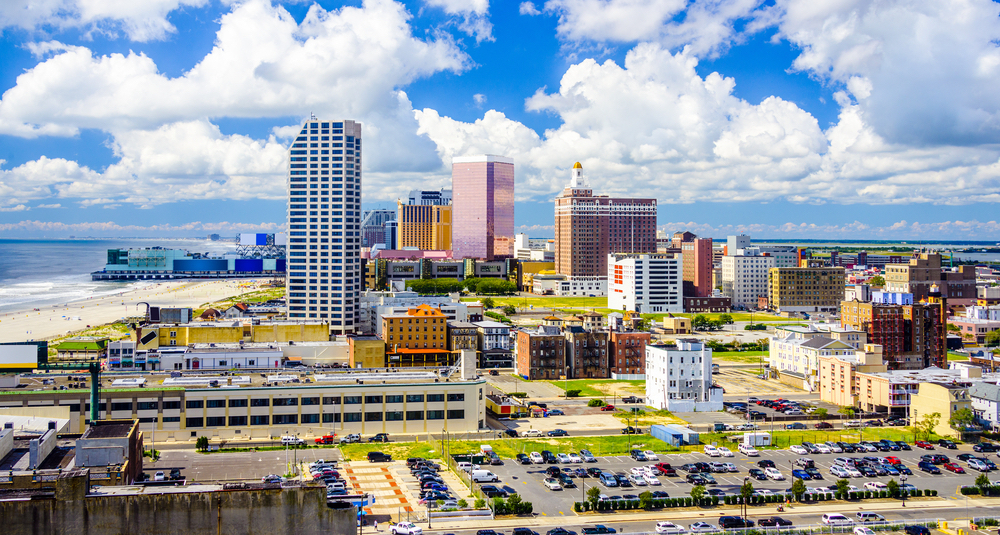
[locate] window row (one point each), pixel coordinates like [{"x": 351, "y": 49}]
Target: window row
[{"x": 294, "y": 419}]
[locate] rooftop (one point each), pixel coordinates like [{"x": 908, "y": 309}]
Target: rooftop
[{"x": 108, "y": 429}]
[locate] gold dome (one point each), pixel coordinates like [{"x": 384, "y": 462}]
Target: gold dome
[{"x": 577, "y": 166}]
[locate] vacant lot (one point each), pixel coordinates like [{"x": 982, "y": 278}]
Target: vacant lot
[{"x": 600, "y": 388}]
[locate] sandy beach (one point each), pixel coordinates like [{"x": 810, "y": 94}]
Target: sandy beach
[{"x": 50, "y": 321}]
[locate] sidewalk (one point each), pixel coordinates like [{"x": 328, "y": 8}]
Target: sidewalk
[{"x": 709, "y": 513}]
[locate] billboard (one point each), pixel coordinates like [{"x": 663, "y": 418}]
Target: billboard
[
  {"x": 281, "y": 238},
  {"x": 21, "y": 356},
  {"x": 248, "y": 238}
]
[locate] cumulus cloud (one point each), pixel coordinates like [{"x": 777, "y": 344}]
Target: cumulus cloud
[
  {"x": 528, "y": 8},
  {"x": 474, "y": 16},
  {"x": 143, "y": 20},
  {"x": 347, "y": 63}
]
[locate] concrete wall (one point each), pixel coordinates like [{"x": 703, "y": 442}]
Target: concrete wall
[
  {"x": 40, "y": 448},
  {"x": 6, "y": 442},
  {"x": 101, "y": 451},
  {"x": 302, "y": 511}
]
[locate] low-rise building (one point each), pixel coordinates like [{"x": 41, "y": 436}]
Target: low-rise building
[
  {"x": 82, "y": 348},
  {"x": 462, "y": 335},
  {"x": 891, "y": 391},
  {"x": 838, "y": 379},
  {"x": 586, "y": 353},
  {"x": 679, "y": 379},
  {"x": 494, "y": 345},
  {"x": 795, "y": 350},
  {"x": 418, "y": 337},
  {"x": 716, "y": 304},
  {"x": 366, "y": 352},
  {"x": 943, "y": 398},
  {"x": 648, "y": 283},
  {"x": 541, "y": 353},
  {"x": 628, "y": 355},
  {"x": 985, "y": 399},
  {"x": 679, "y": 325}
]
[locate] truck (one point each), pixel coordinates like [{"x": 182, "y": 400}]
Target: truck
[
  {"x": 350, "y": 439},
  {"x": 325, "y": 439},
  {"x": 405, "y": 528},
  {"x": 631, "y": 399},
  {"x": 757, "y": 439}
]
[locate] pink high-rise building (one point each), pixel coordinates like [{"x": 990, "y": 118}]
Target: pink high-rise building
[{"x": 482, "y": 207}]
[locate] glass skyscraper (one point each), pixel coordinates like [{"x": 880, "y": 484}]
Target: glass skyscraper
[
  {"x": 482, "y": 207},
  {"x": 324, "y": 224}
]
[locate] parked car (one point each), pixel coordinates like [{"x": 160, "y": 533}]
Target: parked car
[
  {"x": 947, "y": 444},
  {"x": 916, "y": 530},
  {"x": 587, "y": 456},
  {"x": 952, "y": 467},
  {"x": 531, "y": 433},
  {"x": 796, "y": 425},
  {"x": 702, "y": 527},
  {"x": 597, "y": 530},
  {"x": 631, "y": 430},
  {"x": 823, "y": 425},
  {"x": 774, "y": 473},
  {"x": 558, "y": 433},
  {"x": 405, "y": 528},
  {"x": 984, "y": 447},
  {"x": 734, "y": 522},
  {"x": 379, "y": 437},
  {"x": 773, "y": 522},
  {"x": 669, "y": 528},
  {"x": 523, "y": 458},
  {"x": 552, "y": 483},
  {"x": 605, "y": 408},
  {"x": 923, "y": 444},
  {"x": 928, "y": 467},
  {"x": 836, "y": 519},
  {"x": 758, "y": 474}
]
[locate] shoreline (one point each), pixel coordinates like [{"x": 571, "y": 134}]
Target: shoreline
[{"x": 51, "y": 321}]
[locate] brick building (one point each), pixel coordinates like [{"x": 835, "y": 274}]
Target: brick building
[
  {"x": 627, "y": 352},
  {"x": 541, "y": 354},
  {"x": 586, "y": 353}
]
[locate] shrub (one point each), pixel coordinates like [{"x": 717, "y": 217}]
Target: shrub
[
  {"x": 480, "y": 503},
  {"x": 933, "y": 492},
  {"x": 969, "y": 491},
  {"x": 573, "y": 393},
  {"x": 518, "y": 394},
  {"x": 595, "y": 403},
  {"x": 463, "y": 504}
]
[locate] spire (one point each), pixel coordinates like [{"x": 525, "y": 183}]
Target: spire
[{"x": 576, "y": 180}]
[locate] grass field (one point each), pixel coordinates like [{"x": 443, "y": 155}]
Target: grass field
[
  {"x": 256, "y": 296},
  {"x": 746, "y": 357},
  {"x": 599, "y": 445},
  {"x": 602, "y": 387},
  {"x": 548, "y": 302},
  {"x": 957, "y": 356}
]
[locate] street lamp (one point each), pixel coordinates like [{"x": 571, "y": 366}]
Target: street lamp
[
  {"x": 745, "y": 499},
  {"x": 904, "y": 491}
]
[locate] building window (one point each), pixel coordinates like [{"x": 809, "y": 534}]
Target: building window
[
  {"x": 148, "y": 406},
  {"x": 121, "y": 406},
  {"x": 171, "y": 419},
  {"x": 352, "y": 400},
  {"x": 310, "y": 401},
  {"x": 456, "y": 414},
  {"x": 331, "y": 418},
  {"x": 285, "y": 402},
  {"x": 435, "y": 415},
  {"x": 373, "y": 416},
  {"x": 310, "y": 418},
  {"x": 216, "y": 421},
  {"x": 171, "y": 405},
  {"x": 394, "y": 399},
  {"x": 283, "y": 419},
  {"x": 260, "y": 402},
  {"x": 456, "y": 397},
  {"x": 352, "y": 417},
  {"x": 415, "y": 398},
  {"x": 414, "y": 415},
  {"x": 216, "y": 403},
  {"x": 394, "y": 416},
  {"x": 238, "y": 403},
  {"x": 194, "y": 422},
  {"x": 194, "y": 404},
  {"x": 373, "y": 399},
  {"x": 260, "y": 420},
  {"x": 331, "y": 400},
  {"x": 237, "y": 421},
  {"x": 431, "y": 398}
]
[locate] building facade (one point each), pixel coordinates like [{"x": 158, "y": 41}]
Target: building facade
[
  {"x": 838, "y": 374},
  {"x": 494, "y": 345},
  {"x": 324, "y": 217},
  {"x": 541, "y": 353},
  {"x": 698, "y": 259},
  {"x": 589, "y": 228},
  {"x": 744, "y": 278},
  {"x": 586, "y": 353},
  {"x": 627, "y": 352},
  {"x": 483, "y": 188},
  {"x": 424, "y": 226},
  {"x": 805, "y": 289},
  {"x": 680, "y": 379},
  {"x": 648, "y": 283},
  {"x": 418, "y": 337},
  {"x": 373, "y": 226}
]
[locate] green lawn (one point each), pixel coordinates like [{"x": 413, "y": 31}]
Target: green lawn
[
  {"x": 746, "y": 357},
  {"x": 957, "y": 356},
  {"x": 601, "y": 387},
  {"x": 598, "y": 445},
  {"x": 547, "y": 302}
]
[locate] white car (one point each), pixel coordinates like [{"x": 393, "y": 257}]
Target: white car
[
  {"x": 669, "y": 527},
  {"x": 861, "y": 530},
  {"x": 563, "y": 458},
  {"x": 159, "y": 476},
  {"x": 841, "y": 471},
  {"x": 637, "y": 470},
  {"x": 552, "y": 484},
  {"x": 801, "y": 450},
  {"x": 703, "y": 527},
  {"x": 711, "y": 451},
  {"x": 749, "y": 451},
  {"x": 531, "y": 433},
  {"x": 405, "y": 528},
  {"x": 876, "y": 486},
  {"x": 574, "y": 458},
  {"x": 650, "y": 470},
  {"x": 834, "y": 448},
  {"x": 823, "y": 448},
  {"x": 536, "y": 457},
  {"x": 724, "y": 451},
  {"x": 763, "y": 492},
  {"x": 652, "y": 480},
  {"x": 836, "y": 519},
  {"x": 650, "y": 455},
  {"x": 774, "y": 474}
]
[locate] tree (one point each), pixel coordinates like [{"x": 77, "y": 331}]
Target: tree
[
  {"x": 201, "y": 444},
  {"x": 488, "y": 303},
  {"x": 646, "y": 500},
  {"x": 961, "y": 419},
  {"x": 983, "y": 481},
  {"x": 843, "y": 486},
  {"x": 746, "y": 490},
  {"x": 798, "y": 489},
  {"x": 847, "y": 411},
  {"x": 698, "y": 492},
  {"x": 821, "y": 413},
  {"x": 593, "y": 495},
  {"x": 893, "y": 488},
  {"x": 993, "y": 338},
  {"x": 927, "y": 424},
  {"x": 509, "y": 310},
  {"x": 699, "y": 322},
  {"x": 726, "y": 319},
  {"x": 877, "y": 280}
]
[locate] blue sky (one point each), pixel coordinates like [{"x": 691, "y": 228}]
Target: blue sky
[{"x": 813, "y": 119}]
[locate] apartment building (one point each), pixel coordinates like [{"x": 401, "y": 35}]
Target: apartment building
[
  {"x": 796, "y": 350},
  {"x": 647, "y": 283},
  {"x": 462, "y": 335},
  {"x": 627, "y": 354},
  {"x": 838, "y": 374},
  {"x": 424, "y": 226},
  {"x": 697, "y": 257},
  {"x": 745, "y": 278},
  {"x": 494, "y": 345},
  {"x": 586, "y": 353},
  {"x": 943, "y": 398},
  {"x": 679, "y": 379},
  {"x": 923, "y": 270},
  {"x": 805, "y": 289},
  {"x": 418, "y": 337},
  {"x": 541, "y": 353}
]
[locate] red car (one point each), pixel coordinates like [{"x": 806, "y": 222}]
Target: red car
[
  {"x": 894, "y": 460},
  {"x": 608, "y": 408},
  {"x": 666, "y": 469},
  {"x": 923, "y": 444},
  {"x": 952, "y": 467},
  {"x": 823, "y": 425}
]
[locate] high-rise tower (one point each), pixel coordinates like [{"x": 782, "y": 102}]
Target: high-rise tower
[
  {"x": 482, "y": 207},
  {"x": 324, "y": 224}
]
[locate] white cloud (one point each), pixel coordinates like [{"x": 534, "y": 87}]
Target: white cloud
[
  {"x": 57, "y": 205},
  {"x": 528, "y": 8},
  {"x": 18, "y": 208},
  {"x": 339, "y": 64},
  {"x": 141, "y": 20},
  {"x": 29, "y": 226},
  {"x": 900, "y": 230},
  {"x": 474, "y": 13},
  {"x": 923, "y": 73},
  {"x": 479, "y": 99},
  {"x": 655, "y": 127}
]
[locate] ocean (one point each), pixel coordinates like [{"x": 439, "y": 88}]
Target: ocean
[{"x": 35, "y": 273}]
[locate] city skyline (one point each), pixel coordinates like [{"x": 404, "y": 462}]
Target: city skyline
[{"x": 170, "y": 118}]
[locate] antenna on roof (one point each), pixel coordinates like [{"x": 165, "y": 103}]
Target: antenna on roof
[{"x": 312, "y": 116}]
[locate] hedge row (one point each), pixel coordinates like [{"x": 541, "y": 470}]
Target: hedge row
[
  {"x": 985, "y": 491},
  {"x": 623, "y": 505}
]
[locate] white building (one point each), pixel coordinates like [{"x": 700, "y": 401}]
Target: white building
[
  {"x": 680, "y": 380},
  {"x": 987, "y": 313},
  {"x": 647, "y": 283},
  {"x": 493, "y": 335},
  {"x": 324, "y": 217},
  {"x": 986, "y": 402},
  {"x": 535, "y": 249},
  {"x": 797, "y": 349},
  {"x": 744, "y": 278},
  {"x": 565, "y": 286}
]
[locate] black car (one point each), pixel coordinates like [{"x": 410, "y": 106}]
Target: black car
[
  {"x": 560, "y": 531},
  {"x": 631, "y": 430},
  {"x": 558, "y": 433},
  {"x": 510, "y": 432},
  {"x": 903, "y": 445},
  {"x": 715, "y": 492},
  {"x": 757, "y": 473},
  {"x": 984, "y": 447},
  {"x": 566, "y": 481},
  {"x": 553, "y": 471},
  {"x": 549, "y": 457},
  {"x": 379, "y": 457},
  {"x": 796, "y": 425},
  {"x": 380, "y": 437},
  {"x": 660, "y": 494},
  {"x": 594, "y": 471},
  {"x": 774, "y": 521},
  {"x": 492, "y": 491},
  {"x": 175, "y": 473},
  {"x": 964, "y": 457},
  {"x": 766, "y": 463},
  {"x": 846, "y": 447},
  {"x": 814, "y": 473},
  {"x": 523, "y": 531},
  {"x": 597, "y": 530},
  {"x": 947, "y": 444},
  {"x": 916, "y": 530},
  {"x": 866, "y": 470},
  {"x": 413, "y": 461},
  {"x": 523, "y": 459},
  {"x": 690, "y": 468},
  {"x": 703, "y": 467},
  {"x": 734, "y": 522},
  {"x": 637, "y": 455},
  {"x": 622, "y": 480},
  {"x": 696, "y": 479},
  {"x": 928, "y": 467},
  {"x": 487, "y": 532}
]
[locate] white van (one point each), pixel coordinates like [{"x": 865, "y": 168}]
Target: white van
[
  {"x": 483, "y": 476},
  {"x": 463, "y": 466},
  {"x": 485, "y": 449},
  {"x": 289, "y": 440},
  {"x": 748, "y": 450}
]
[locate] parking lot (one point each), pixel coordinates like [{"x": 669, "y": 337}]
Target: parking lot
[{"x": 527, "y": 480}]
